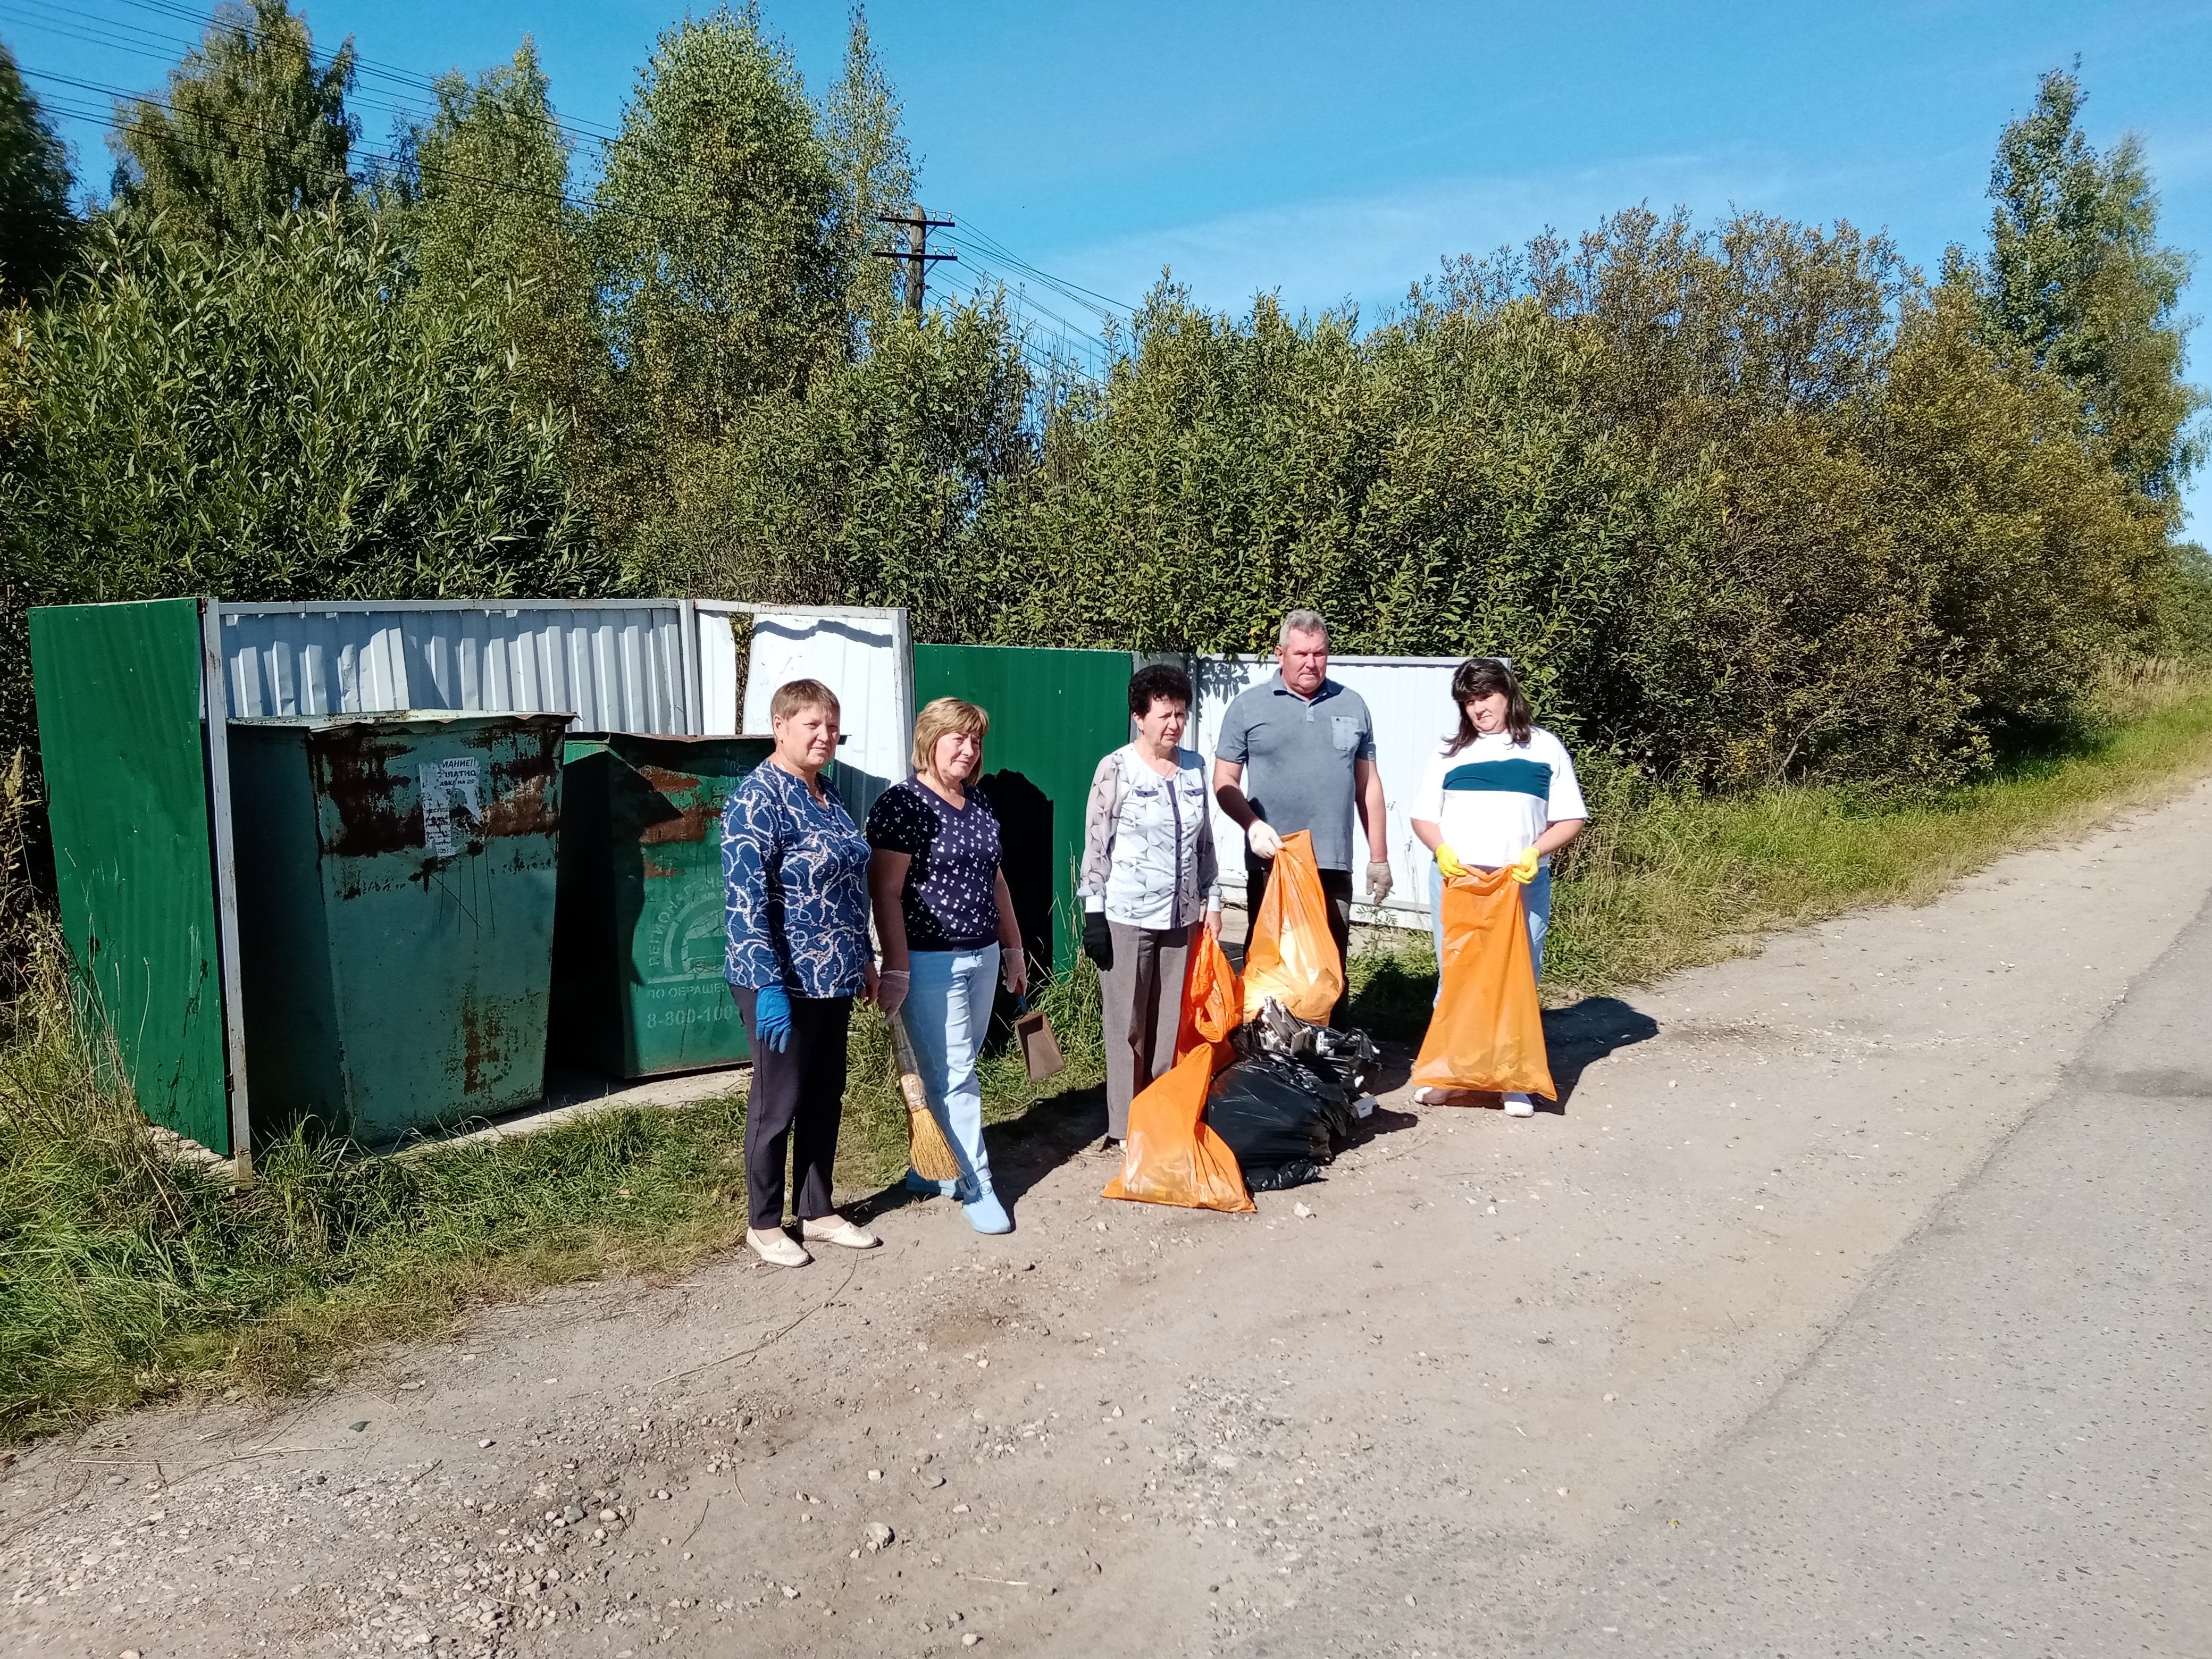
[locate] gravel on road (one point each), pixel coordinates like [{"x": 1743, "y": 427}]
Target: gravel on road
[{"x": 1410, "y": 1419}]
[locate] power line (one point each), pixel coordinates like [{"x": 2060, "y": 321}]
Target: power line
[
  {"x": 389, "y": 158},
  {"x": 1088, "y": 298},
  {"x": 1048, "y": 368},
  {"x": 414, "y": 80},
  {"x": 1015, "y": 282},
  {"x": 164, "y": 47},
  {"x": 1077, "y": 347}
]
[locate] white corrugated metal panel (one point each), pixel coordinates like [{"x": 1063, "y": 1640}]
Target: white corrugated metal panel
[
  {"x": 864, "y": 655},
  {"x": 1410, "y": 699},
  {"x": 616, "y": 667}
]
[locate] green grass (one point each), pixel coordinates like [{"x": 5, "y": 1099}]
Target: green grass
[
  {"x": 872, "y": 1146},
  {"x": 1674, "y": 880},
  {"x": 124, "y": 1277},
  {"x": 1664, "y": 880}
]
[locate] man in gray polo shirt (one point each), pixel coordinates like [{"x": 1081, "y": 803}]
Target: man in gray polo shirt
[{"x": 1297, "y": 752}]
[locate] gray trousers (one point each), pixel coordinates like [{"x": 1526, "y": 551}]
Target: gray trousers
[{"x": 1144, "y": 1005}]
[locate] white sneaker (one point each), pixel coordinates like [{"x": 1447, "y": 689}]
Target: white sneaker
[
  {"x": 1520, "y": 1106},
  {"x": 776, "y": 1247},
  {"x": 836, "y": 1230}
]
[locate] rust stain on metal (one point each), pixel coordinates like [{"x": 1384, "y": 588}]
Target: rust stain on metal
[
  {"x": 519, "y": 804},
  {"x": 688, "y": 801},
  {"x": 522, "y": 799},
  {"x": 472, "y": 1048},
  {"x": 370, "y": 777},
  {"x": 359, "y": 780},
  {"x": 482, "y": 1045}
]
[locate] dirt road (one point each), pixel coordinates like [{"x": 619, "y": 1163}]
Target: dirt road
[{"x": 1410, "y": 1422}]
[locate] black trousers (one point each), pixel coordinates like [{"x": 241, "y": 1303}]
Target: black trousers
[
  {"x": 797, "y": 1100},
  {"x": 1336, "y": 887}
]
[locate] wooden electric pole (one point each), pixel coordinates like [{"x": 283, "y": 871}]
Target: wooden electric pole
[{"x": 917, "y": 225}]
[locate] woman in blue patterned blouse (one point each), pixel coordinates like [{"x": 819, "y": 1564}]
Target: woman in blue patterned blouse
[{"x": 795, "y": 886}]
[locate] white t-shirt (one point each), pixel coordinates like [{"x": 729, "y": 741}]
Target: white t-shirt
[{"x": 1495, "y": 797}]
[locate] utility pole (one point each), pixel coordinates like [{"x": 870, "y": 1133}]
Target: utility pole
[{"x": 917, "y": 225}]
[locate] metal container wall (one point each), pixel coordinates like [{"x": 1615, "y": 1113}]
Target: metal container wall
[
  {"x": 622, "y": 665},
  {"x": 396, "y": 893},
  {"x": 638, "y": 985}
]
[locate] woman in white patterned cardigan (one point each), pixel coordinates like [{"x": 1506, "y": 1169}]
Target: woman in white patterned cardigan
[{"x": 1148, "y": 875}]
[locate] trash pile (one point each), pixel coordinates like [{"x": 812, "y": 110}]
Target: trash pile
[{"x": 1263, "y": 1092}]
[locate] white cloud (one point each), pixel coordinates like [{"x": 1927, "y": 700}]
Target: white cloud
[{"x": 1369, "y": 248}]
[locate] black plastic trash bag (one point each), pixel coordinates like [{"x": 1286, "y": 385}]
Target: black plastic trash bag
[
  {"x": 1282, "y": 1118},
  {"x": 1348, "y": 1056}
]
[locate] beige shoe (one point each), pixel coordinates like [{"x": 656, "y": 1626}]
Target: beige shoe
[
  {"x": 775, "y": 1247},
  {"x": 836, "y": 1230}
]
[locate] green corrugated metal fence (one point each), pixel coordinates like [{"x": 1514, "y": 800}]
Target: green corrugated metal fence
[
  {"x": 1053, "y": 714},
  {"x": 126, "y": 770}
]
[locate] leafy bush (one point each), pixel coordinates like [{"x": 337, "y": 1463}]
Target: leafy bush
[{"x": 269, "y": 419}]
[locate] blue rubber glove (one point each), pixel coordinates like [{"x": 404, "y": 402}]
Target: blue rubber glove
[{"x": 772, "y": 1017}]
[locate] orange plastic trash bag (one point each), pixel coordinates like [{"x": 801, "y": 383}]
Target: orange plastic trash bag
[
  {"x": 1171, "y": 1156},
  {"x": 1292, "y": 956},
  {"x": 1487, "y": 1031},
  {"x": 1212, "y": 1000}
]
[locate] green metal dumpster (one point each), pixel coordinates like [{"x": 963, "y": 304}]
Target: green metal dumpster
[
  {"x": 638, "y": 952},
  {"x": 396, "y": 879}
]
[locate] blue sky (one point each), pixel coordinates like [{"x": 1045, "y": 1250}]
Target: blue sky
[{"x": 1336, "y": 153}]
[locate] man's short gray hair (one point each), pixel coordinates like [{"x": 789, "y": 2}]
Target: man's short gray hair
[{"x": 1302, "y": 622}]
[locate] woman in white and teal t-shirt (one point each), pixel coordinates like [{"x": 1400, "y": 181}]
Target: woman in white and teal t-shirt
[{"x": 1498, "y": 791}]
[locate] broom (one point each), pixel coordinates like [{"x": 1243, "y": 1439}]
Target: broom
[{"x": 926, "y": 1149}]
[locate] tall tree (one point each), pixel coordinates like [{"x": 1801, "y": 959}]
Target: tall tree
[
  {"x": 718, "y": 213},
  {"x": 866, "y": 489},
  {"x": 495, "y": 229},
  {"x": 861, "y": 120},
  {"x": 36, "y": 225},
  {"x": 2078, "y": 279},
  {"x": 252, "y": 128}
]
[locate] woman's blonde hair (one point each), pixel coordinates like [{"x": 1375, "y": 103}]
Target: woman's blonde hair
[{"x": 943, "y": 716}]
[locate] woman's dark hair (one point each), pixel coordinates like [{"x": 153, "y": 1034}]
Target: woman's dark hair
[
  {"x": 1156, "y": 680},
  {"x": 1483, "y": 677}
]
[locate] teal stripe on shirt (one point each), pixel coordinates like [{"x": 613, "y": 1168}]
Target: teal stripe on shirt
[{"x": 1504, "y": 777}]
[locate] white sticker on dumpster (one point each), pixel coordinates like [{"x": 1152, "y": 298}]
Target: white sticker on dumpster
[{"x": 450, "y": 788}]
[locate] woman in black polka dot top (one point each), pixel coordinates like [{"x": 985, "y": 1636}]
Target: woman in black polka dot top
[{"x": 947, "y": 924}]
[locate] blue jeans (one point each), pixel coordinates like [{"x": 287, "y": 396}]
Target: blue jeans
[
  {"x": 1535, "y": 900},
  {"x": 947, "y": 1014}
]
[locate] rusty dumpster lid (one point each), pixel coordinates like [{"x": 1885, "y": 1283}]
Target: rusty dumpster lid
[{"x": 424, "y": 720}]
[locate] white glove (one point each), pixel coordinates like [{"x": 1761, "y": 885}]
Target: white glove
[
  {"x": 1262, "y": 839},
  {"x": 1378, "y": 881}
]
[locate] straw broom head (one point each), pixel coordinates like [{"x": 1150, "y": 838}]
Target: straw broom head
[{"x": 927, "y": 1148}]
